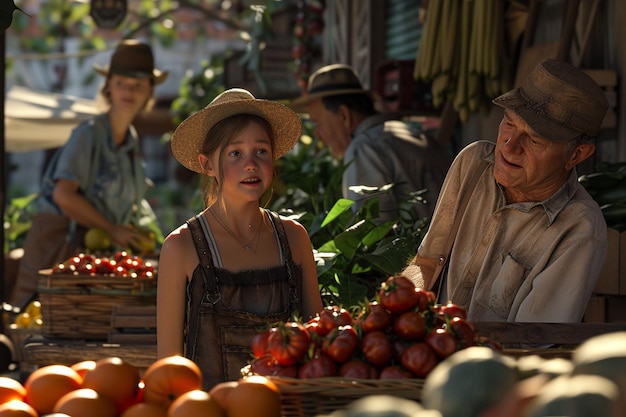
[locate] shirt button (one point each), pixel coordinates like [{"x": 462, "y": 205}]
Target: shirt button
[{"x": 467, "y": 284}]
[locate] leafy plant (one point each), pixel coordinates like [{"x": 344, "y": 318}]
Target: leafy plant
[{"x": 18, "y": 217}]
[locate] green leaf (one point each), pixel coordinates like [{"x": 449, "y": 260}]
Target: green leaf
[{"x": 340, "y": 207}]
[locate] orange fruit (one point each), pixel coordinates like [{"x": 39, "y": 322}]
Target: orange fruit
[
  {"x": 168, "y": 378},
  {"x": 114, "y": 378},
  {"x": 11, "y": 389},
  {"x": 221, "y": 391},
  {"x": 196, "y": 403},
  {"x": 83, "y": 366},
  {"x": 16, "y": 408},
  {"x": 145, "y": 410},
  {"x": 85, "y": 402},
  {"x": 254, "y": 396},
  {"x": 46, "y": 385}
]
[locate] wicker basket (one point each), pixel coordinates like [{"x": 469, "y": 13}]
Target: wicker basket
[
  {"x": 80, "y": 306},
  {"x": 18, "y": 336},
  {"x": 321, "y": 396}
]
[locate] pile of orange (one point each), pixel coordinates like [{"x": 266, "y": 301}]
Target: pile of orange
[{"x": 112, "y": 387}]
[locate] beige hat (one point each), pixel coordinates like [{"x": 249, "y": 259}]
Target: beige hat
[
  {"x": 133, "y": 59},
  {"x": 558, "y": 101},
  {"x": 189, "y": 136},
  {"x": 331, "y": 80}
]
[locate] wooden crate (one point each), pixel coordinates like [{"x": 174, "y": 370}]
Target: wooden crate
[
  {"x": 133, "y": 325},
  {"x": 80, "y": 306}
]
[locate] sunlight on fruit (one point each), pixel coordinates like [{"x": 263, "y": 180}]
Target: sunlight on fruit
[
  {"x": 97, "y": 239},
  {"x": 30, "y": 318}
]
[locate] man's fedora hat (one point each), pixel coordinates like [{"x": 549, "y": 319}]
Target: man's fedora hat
[
  {"x": 558, "y": 101},
  {"x": 133, "y": 59},
  {"x": 190, "y": 135},
  {"x": 331, "y": 80}
]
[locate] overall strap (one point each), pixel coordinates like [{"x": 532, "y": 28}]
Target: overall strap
[
  {"x": 286, "y": 250},
  {"x": 202, "y": 249}
]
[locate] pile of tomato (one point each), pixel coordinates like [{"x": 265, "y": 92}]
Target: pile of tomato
[
  {"x": 402, "y": 333},
  {"x": 119, "y": 264}
]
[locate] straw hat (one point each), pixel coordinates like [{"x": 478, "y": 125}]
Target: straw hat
[
  {"x": 331, "y": 80},
  {"x": 133, "y": 59},
  {"x": 558, "y": 101},
  {"x": 190, "y": 135}
]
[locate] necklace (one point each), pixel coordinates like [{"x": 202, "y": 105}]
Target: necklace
[{"x": 248, "y": 246}]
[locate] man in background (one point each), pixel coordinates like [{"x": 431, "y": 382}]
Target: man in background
[{"x": 378, "y": 149}]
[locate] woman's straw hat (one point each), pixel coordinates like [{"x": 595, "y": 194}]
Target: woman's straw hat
[
  {"x": 133, "y": 59},
  {"x": 190, "y": 135}
]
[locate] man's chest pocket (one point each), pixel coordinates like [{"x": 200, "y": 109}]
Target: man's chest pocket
[{"x": 506, "y": 286}]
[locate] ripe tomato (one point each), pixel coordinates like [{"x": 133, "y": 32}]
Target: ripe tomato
[
  {"x": 268, "y": 366},
  {"x": 451, "y": 310},
  {"x": 442, "y": 341},
  {"x": 464, "y": 332},
  {"x": 426, "y": 299},
  {"x": 288, "y": 342},
  {"x": 318, "y": 367},
  {"x": 341, "y": 343},
  {"x": 398, "y": 294},
  {"x": 419, "y": 358},
  {"x": 376, "y": 348},
  {"x": 259, "y": 343},
  {"x": 357, "y": 369},
  {"x": 394, "y": 372},
  {"x": 373, "y": 317},
  {"x": 410, "y": 325},
  {"x": 332, "y": 317}
]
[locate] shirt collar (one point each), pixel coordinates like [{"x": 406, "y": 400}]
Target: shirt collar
[{"x": 553, "y": 204}]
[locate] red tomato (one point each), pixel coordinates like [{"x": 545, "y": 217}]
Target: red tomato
[
  {"x": 341, "y": 343},
  {"x": 267, "y": 366},
  {"x": 288, "y": 342},
  {"x": 373, "y": 317},
  {"x": 394, "y": 372},
  {"x": 464, "y": 332},
  {"x": 426, "y": 299},
  {"x": 358, "y": 369},
  {"x": 419, "y": 358},
  {"x": 410, "y": 325},
  {"x": 332, "y": 317},
  {"x": 376, "y": 348},
  {"x": 259, "y": 343},
  {"x": 319, "y": 367},
  {"x": 442, "y": 341},
  {"x": 398, "y": 294},
  {"x": 451, "y": 310}
]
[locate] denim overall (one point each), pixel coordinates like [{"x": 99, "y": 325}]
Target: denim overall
[{"x": 225, "y": 309}]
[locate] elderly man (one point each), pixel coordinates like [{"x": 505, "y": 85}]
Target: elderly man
[
  {"x": 527, "y": 241},
  {"x": 377, "y": 149}
]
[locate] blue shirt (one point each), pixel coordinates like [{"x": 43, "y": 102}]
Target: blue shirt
[{"x": 111, "y": 177}]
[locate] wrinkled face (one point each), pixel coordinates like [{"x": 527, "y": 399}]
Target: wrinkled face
[
  {"x": 331, "y": 128},
  {"x": 129, "y": 94},
  {"x": 247, "y": 164},
  {"x": 529, "y": 167}
]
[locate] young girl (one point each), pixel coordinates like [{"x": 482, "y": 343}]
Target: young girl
[{"x": 234, "y": 268}]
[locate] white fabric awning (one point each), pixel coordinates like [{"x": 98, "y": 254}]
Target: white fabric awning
[{"x": 36, "y": 120}]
